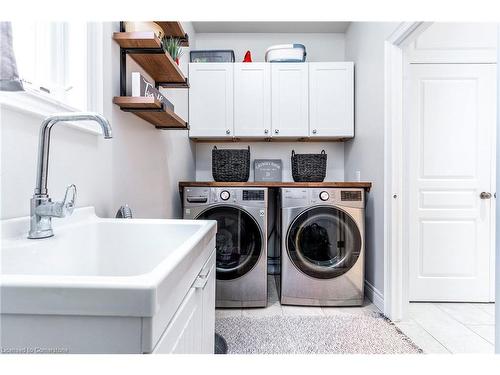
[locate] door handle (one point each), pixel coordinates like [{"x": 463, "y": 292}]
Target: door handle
[{"x": 485, "y": 195}]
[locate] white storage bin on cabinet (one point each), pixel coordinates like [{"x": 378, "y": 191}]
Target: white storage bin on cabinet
[
  {"x": 211, "y": 100},
  {"x": 331, "y": 100}
]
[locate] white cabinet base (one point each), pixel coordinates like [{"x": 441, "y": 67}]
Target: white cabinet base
[{"x": 190, "y": 330}]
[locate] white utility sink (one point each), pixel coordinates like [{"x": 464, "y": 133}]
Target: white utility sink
[{"x": 102, "y": 267}]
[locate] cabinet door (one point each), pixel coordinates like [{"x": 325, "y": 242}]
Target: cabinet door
[
  {"x": 211, "y": 100},
  {"x": 331, "y": 99},
  {"x": 289, "y": 100},
  {"x": 252, "y": 99},
  {"x": 184, "y": 332}
]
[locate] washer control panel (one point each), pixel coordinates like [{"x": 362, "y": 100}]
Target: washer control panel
[
  {"x": 253, "y": 195},
  {"x": 225, "y": 195},
  {"x": 324, "y": 196}
]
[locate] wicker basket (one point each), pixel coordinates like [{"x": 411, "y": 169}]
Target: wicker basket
[
  {"x": 309, "y": 167},
  {"x": 231, "y": 165}
]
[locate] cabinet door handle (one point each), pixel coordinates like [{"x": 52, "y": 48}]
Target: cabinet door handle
[
  {"x": 276, "y": 131},
  {"x": 314, "y": 131},
  {"x": 200, "y": 281},
  {"x": 485, "y": 195},
  {"x": 266, "y": 131},
  {"x": 228, "y": 131}
]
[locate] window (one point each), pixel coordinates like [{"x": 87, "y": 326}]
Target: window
[{"x": 53, "y": 59}]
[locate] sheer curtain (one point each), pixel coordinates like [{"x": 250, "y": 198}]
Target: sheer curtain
[{"x": 9, "y": 77}]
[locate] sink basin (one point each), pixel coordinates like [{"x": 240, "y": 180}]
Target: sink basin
[{"x": 96, "y": 266}]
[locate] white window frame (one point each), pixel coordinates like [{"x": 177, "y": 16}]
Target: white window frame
[{"x": 41, "y": 104}]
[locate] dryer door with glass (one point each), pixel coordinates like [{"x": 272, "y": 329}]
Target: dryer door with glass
[
  {"x": 238, "y": 241},
  {"x": 323, "y": 242}
]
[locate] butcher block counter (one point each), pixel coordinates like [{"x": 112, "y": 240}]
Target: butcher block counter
[{"x": 334, "y": 184}]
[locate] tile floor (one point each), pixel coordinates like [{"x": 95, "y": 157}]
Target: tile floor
[
  {"x": 275, "y": 308},
  {"x": 451, "y": 327},
  {"x": 434, "y": 327}
]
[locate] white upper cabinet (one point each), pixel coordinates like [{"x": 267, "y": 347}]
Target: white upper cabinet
[
  {"x": 331, "y": 99},
  {"x": 252, "y": 100},
  {"x": 271, "y": 100},
  {"x": 289, "y": 100},
  {"x": 211, "y": 100}
]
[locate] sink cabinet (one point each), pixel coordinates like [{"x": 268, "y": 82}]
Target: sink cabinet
[
  {"x": 192, "y": 329},
  {"x": 137, "y": 286}
]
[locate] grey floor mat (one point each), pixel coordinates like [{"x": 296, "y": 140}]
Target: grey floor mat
[{"x": 342, "y": 333}]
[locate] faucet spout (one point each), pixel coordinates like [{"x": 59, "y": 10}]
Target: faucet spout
[
  {"x": 42, "y": 207},
  {"x": 44, "y": 141}
]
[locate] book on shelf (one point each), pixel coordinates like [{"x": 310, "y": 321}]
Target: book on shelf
[{"x": 140, "y": 86}]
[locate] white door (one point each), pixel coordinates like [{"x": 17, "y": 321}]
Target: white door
[
  {"x": 451, "y": 132},
  {"x": 289, "y": 100},
  {"x": 331, "y": 99},
  {"x": 252, "y": 100},
  {"x": 211, "y": 100}
]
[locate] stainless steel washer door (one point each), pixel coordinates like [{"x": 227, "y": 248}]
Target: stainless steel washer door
[
  {"x": 238, "y": 240},
  {"x": 323, "y": 242}
]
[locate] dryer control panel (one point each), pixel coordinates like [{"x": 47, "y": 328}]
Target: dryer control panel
[{"x": 297, "y": 197}]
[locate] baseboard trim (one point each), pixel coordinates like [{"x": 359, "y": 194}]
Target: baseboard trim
[{"x": 374, "y": 295}]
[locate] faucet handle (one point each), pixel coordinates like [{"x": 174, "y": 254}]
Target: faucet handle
[
  {"x": 68, "y": 203},
  {"x": 59, "y": 209}
]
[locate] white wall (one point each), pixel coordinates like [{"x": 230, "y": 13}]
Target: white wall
[
  {"x": 140, "y": 166},
  {"x": 75, "y": 157},
  {"x": 274, "y": 150},
  {"x": 365, "y": 153},
  {"x": 319, "y": 46}
]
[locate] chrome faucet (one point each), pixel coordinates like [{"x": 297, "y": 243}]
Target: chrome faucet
[{"x": 42, "y": 208}]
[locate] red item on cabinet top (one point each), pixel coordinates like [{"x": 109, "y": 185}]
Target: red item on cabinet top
[{"x": 248, "y": 57}]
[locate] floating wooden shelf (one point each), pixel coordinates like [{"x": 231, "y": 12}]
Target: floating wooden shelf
[
  {"x": 137, "y": 39},
  {"x": 150, "y": 109},
  {"x": 145, "y": 49},
  {"x": 159, "y": 66},
  {"x": 174, "y": 29}
]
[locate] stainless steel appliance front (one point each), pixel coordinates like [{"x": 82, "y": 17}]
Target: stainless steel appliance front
[
  {"x": 241, "y": 215},
  {"x": 322, "y": 242}
]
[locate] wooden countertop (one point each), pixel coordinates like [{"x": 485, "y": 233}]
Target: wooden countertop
[{"x": 333, "y": 184}]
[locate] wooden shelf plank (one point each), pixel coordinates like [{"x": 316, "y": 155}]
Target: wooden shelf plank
[
  {"x": 171, "y": 28},
  {"x": 291, "y": 184},
  {"x": 136, "y": 102},
  {"x": 149, "y": 109},
  {"x": 159, "y": 66},
  {"x": 156, "y": 62},
  {"x": 137, "y": 39}
]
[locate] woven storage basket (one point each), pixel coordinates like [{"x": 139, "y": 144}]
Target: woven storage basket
[
  {"x": 309, "y": 167},
  {"x": 231, "y": 165}
]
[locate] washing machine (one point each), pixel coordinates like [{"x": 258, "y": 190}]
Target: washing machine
[
  {"x": 322, "y": 245},
  {"x": 241, "y": 241}
]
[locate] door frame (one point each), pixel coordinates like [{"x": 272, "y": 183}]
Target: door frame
[
  {"x": 396, "y": 264},
  {"x": 395, "y": 259}
]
